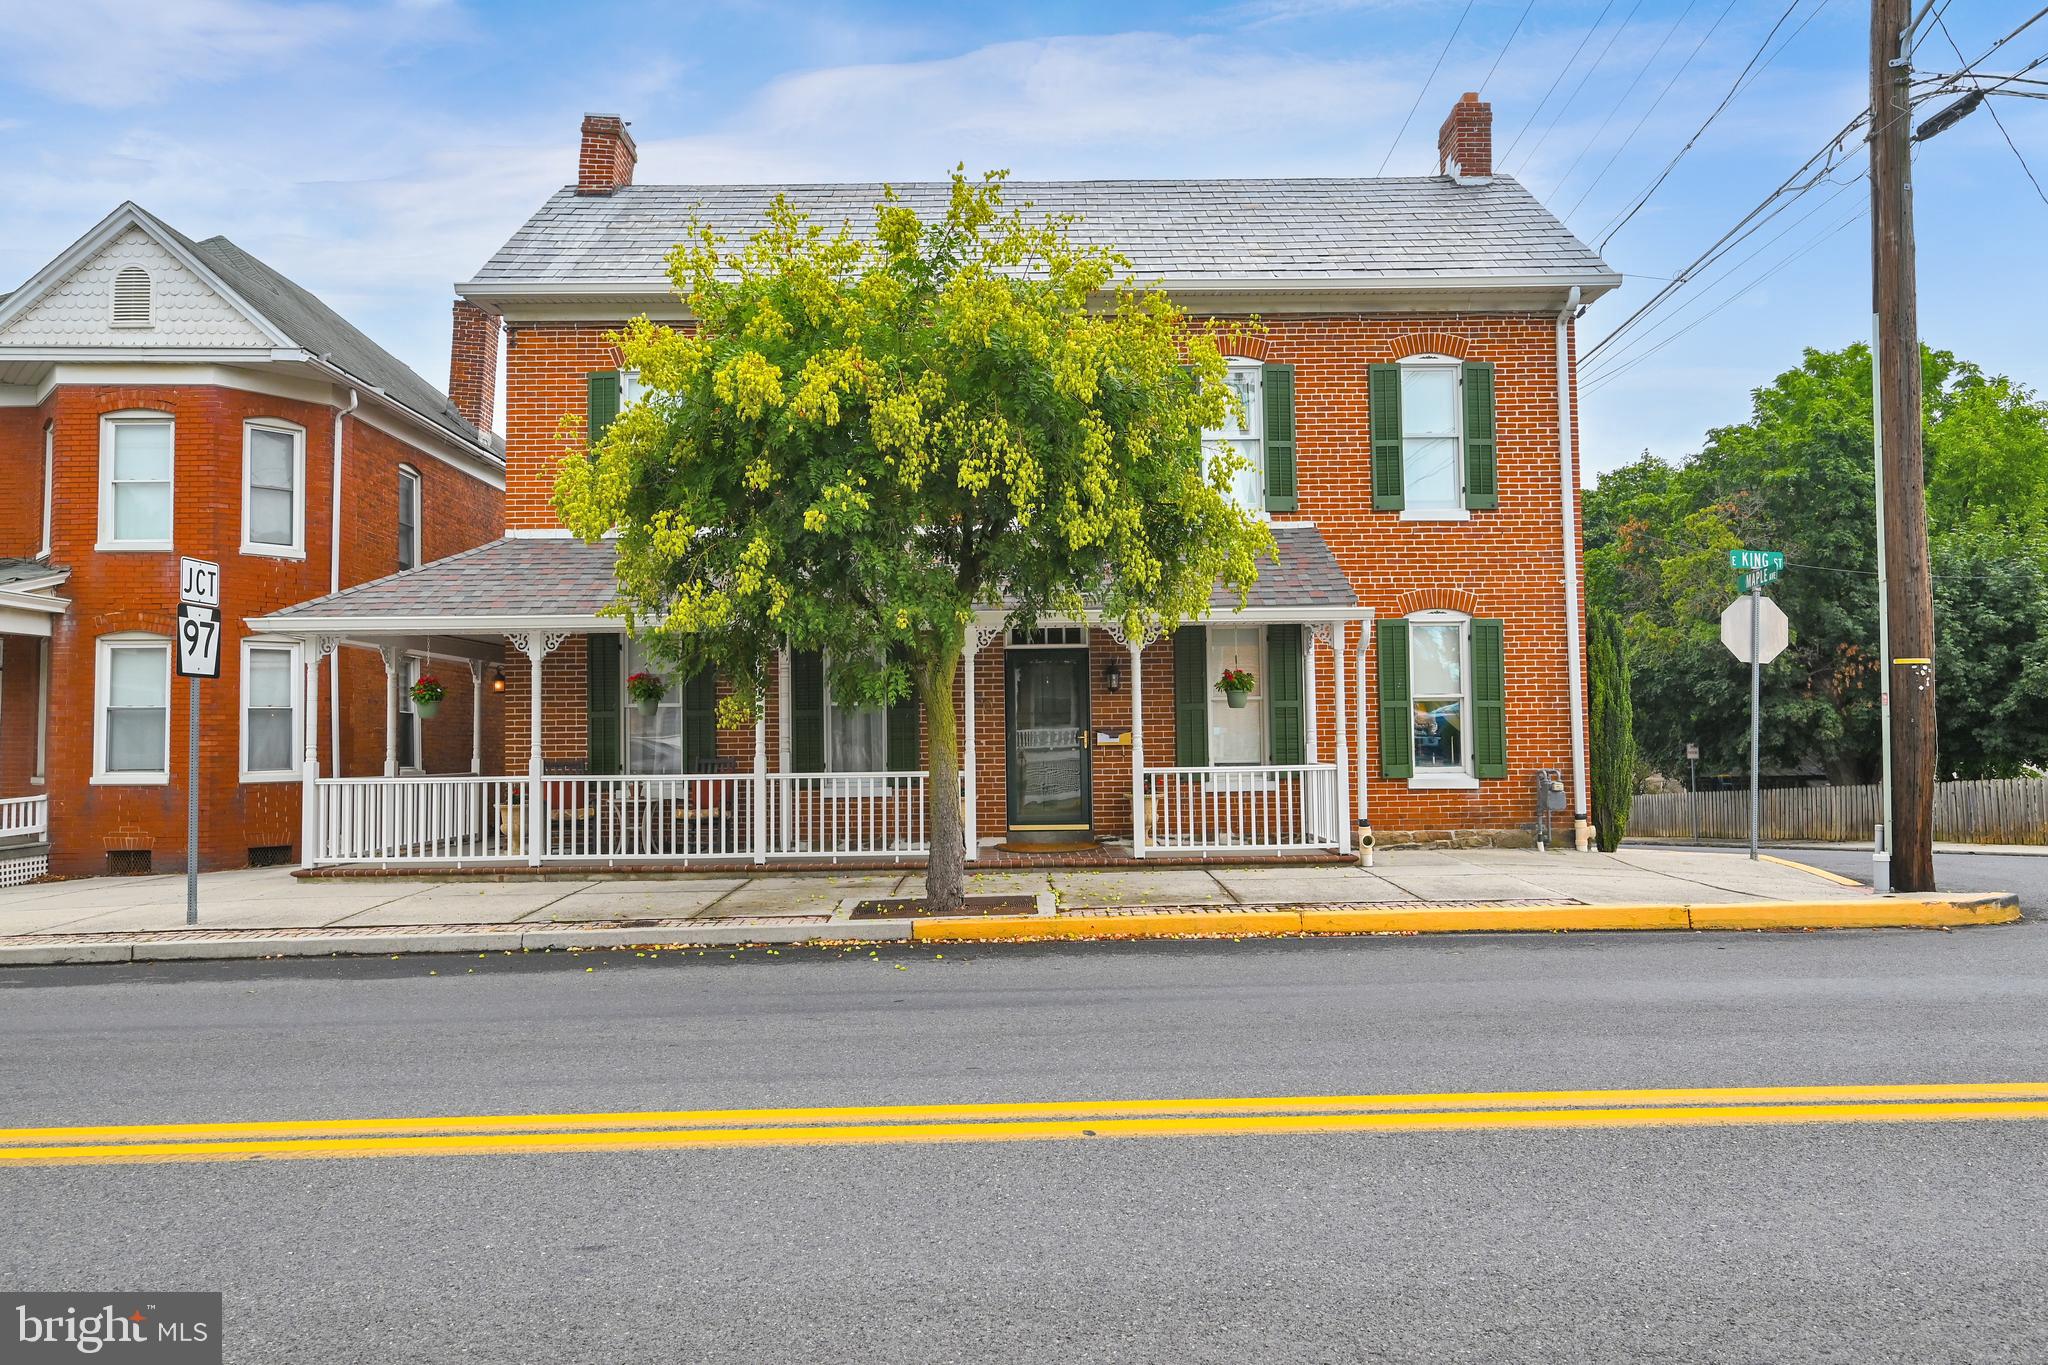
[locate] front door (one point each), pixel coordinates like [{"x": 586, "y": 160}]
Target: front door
[{"x": 1048, "y": 745}]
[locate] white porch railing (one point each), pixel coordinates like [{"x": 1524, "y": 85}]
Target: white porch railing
[
  {"x": 24, "y": 817},
  {"x": 847, "y": 815},
  {"x": 419, "y": 820},
  {"x": 1249, "y": 809},
  {"x": 609, "y": 818}
]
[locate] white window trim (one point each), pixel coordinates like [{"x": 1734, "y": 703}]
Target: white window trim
[
  {"x": 250, "y": 644},
  {"x": 1256, "y": 700},
  {"x": 670, "y": 698},
  {"x": 1457, "y": 369},
  {"x": 833, "y": 706},
  {"x": 102, "y": 674},
  {"x": 408, "y": 476},
  {"x": 1255, "y": 432},
  {"x": 41, "y": 774},
  {"x": 630, "y": 389},
  {"x": 50, "y": 484},
  {"x": 297, "y": 548},
  {"x": 1443, "y": 780},
  {"x": 109, "y": 422},
  {"x": 410, "y": 670}
]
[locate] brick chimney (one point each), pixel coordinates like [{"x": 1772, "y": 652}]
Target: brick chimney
[
  {"x": 1464, "y": 145},
  {"x": 606, "y": 161},
  {"x": 473, "y": 364}
]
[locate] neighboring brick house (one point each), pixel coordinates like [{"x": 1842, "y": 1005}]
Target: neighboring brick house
[
  {"x": 1411, "y": 438},
  {"x": 161, "y": 397}
]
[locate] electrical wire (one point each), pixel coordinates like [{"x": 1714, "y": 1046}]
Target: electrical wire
[
  {"x": 1993, "y": 110},
  {"x": 1587, "y": 75},
  {"x": 1511, "y": 42},
  {"x": 1462, "y": 15},
  {"x": 1641, "y": 72},
  {"x": 1555, "y": 81}
]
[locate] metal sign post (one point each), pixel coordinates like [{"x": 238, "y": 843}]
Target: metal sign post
[
  {"x": 1756, "y": 699},
  {"x": 1755, "y": 632},
  {"x": 198, "y": 657},
  {"x": 1692, "y": 786}
]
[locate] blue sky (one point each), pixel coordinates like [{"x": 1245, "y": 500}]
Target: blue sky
[{"x": 377, "y": 151}]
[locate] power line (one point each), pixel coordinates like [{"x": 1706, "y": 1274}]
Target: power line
[
  {"x": 1641, "y": 72},
  {"x": 1485, "y": 84},
  {"x": 1555, "y": 81},
  {"x": 1625, "y": 142},
  {"x": 1572, "y": 98},
  {"x": 1672, "y": 165},
  {"x": 1993, "y": 109},
  {"x": 1425, "y": 88}
]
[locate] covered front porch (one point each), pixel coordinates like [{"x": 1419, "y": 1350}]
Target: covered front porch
[
  {"x": 1078, "y": 744},
  {"x": 30, "y": 608}
]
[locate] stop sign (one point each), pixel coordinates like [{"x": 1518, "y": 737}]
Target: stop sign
[{"x": 1773, "y": 630}]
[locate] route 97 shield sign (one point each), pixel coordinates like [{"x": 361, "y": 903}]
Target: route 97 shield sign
[{"x": 198, "y": 641}]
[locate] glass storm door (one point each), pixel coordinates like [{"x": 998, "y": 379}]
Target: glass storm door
[{"x": 1048, "y": 732}]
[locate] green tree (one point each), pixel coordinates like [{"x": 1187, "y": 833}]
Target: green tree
[
  {"x": 866, "y": 438},
  {"x": 1613, "y": 739}
]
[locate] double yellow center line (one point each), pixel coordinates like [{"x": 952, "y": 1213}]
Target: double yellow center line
[{"x": 1029, "y": 1121}]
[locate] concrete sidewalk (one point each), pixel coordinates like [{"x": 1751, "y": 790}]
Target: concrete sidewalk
[{"x": 271, "y": 898}]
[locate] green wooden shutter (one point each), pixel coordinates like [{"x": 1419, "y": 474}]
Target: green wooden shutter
[
  {"x": 807, "y": 712},
  {"x": 700, "y": 720},
  {"x": 1397, "y": 711},
  {"x": 903, "y": 718},
  {"x": 1489, "y": 701},
  {"x": 603, "y": 406},
  {"x": 1280, "y": 481},
  {"x": 1383, "y": 393},
  {"x": 1191, "y": 697},
  {"x": 1283, "y": 694},
  {"x": 1482, "y": 476},
  {"x": 601, "y": 677}
]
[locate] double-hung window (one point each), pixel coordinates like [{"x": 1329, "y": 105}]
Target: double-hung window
[
  {"x": 1242, "y": 435},
  {"x": 1430, "y": 436},
  {"x": 856, "y": 736},
  {"x": 270, "y": 710},
  {"x": 273, "y": 489},
  {"x": 136, "y": 453},
  {"x": 1433, "y": 448},
  {"x": 1442, "y": 699},
  {"x": 1438, "y": 673},
  {"x": 49, "y": 484},
  {"x": 654, "y": 743},
  {"x": 132, "y": 733},
  {"x": 408, "y": 518},
  {"x": 408, "y": 720}
]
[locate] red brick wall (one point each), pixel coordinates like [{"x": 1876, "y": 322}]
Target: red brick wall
[
  {"x": 112, "y": 592},
  {"x": 1505, "y": 563},
  {"x": 18, "y": 703}
]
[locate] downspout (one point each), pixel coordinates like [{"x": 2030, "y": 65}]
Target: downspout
[
  {"x": 333, "y": 586},
  {"x": 1568, "y": 501}
]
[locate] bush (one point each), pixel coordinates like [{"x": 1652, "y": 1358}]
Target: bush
[{"x": 1614, "y": 741}]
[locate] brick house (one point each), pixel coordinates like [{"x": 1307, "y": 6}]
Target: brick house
[
  {"x": 162, "y": 397},
  {"x": 1411, "y": 438}
]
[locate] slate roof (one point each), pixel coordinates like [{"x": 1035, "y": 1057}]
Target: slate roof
[
  {"x": 1391, "y": 229},
  {"x": 27, "y": 571},
  {"x": 311, "y": 324},
  {"x": 565, "y": 577}
]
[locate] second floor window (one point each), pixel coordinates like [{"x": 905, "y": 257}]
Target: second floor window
[
  {"x": 273, "y": 475},
  {"x": 408, "y": 519},
  {"x": 1433, "y": 450},
  {"x": 1429, "y": 436},
  {"x": 1244, "y": 437},
  {"x": 135, "y": 482}
]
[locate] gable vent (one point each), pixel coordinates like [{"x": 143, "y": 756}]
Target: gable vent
[{"x": 132, "y": 297}]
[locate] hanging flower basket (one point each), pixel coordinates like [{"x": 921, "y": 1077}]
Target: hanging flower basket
[
  {"x": 647, "y": 690},
  {"x": 427, "y": 693},
  {"x": 1236, "y": 685}
]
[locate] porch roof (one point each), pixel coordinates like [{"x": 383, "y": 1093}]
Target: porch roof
[{"x": 561, "y": 583}]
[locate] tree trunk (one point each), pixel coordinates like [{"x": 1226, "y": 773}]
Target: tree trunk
[{"x": 945, "y": 876}]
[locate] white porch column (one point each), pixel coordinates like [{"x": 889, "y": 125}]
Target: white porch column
[
  {"x": 1339, "y": 631},
  {"x": 536, "y": 646},
  {"x": 760, "y": 824},
  {"x": 1365, "y": 844},
  {"x": 476, "y": 717},
  {"x": 1137, "y": 749},
  {"x": 315, "y": 651},
  {"x": 394, "y": 674},
  {"x": 1311, "y": 750},
  {"x": 969, "y": 805}
]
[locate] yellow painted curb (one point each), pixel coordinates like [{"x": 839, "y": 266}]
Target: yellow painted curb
[
  {"x": 1837, "y": 878},
  {"x": 1472, "y": 919},
  {"x": 1933, "y": 911}
]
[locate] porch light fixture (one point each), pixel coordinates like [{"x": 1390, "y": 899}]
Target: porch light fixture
[
  {"x": 1113, "y": 677},
  {"x": 497, "y": 678}
]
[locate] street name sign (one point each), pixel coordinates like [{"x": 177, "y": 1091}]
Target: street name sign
[{"x": 1773, "y": 630}]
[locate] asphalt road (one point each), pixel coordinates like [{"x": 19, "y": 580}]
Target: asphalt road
[
  {"x": 2024, "y": 873},
  {"x": 1858, "y": 1244}
]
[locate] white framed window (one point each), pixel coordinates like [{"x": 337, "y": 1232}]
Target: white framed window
[
  {"x": 1440, "y": 692},
  {"x": 408, "y": 517},
  {"x": 49, "y": 484},
  {"x": 1246, "y": 436},
  {"x": 1432, "y": 438},
  {"x": 856, "y": 737},
  {"x": 409, "y": 718},
  {"x": 137, "y": 453},
  {"x": 1237, "y": 735},
  {"x": 272, "y": 695},
  {"x": 134, "y": 299},
  {"x": 131, "y": 739},
  {"x": 631, "y": 390},
  {"x": 273, "y": 488},
  {"x": 42, "y": 713},
  {"x": 654, "y": 744}
]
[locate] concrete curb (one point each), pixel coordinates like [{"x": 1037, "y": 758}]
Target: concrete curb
[{"x": 1882, "y": 912}]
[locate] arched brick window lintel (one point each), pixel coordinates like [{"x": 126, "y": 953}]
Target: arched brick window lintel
[
  {"x": 1436, "y": 599},
  {"x": 1428, "y": 343},
  {"x": 1245, "y": 347}
]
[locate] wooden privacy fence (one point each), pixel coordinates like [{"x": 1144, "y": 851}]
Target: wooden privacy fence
[{"x": 2006, "y": 811}]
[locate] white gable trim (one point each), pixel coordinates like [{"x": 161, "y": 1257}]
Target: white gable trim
[{"x": 131, "y": 215}]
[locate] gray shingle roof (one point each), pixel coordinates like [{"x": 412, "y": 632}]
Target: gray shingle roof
[
  {"x": 1392, "y": 229},
  {"x": 27, "y": 571},
  {"x": 562, "y": 577}
]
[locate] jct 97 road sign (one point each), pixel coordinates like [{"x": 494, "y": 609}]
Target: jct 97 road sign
[{"x": 198, "y": 641}]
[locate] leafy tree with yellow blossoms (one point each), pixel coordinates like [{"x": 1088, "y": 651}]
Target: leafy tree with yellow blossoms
[{"x": 867, "y": 436}]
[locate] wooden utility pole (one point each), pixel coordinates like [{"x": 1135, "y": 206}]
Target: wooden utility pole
[{"x": 1909, "y": 673}]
